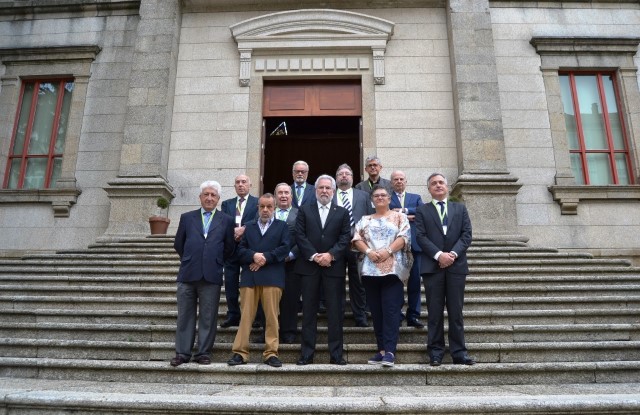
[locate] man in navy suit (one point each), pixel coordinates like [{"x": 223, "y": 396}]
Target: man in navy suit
[
  {"x": 290, "y": 300},
  {"x": 358, "y": 204},
  {"x": 262, "y": 251},
  {"x": 242, "y": 208},
  {"x": 443, "y": 230},
  {"x": 203, "y": 240},
  {"x": 322, "y": 234},
  {"x": 407, "y": 203},
  {"x": 302, "y": 191}
]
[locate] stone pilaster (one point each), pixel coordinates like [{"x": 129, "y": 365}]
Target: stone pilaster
[
  {"x": 147, "y": 131},
  {"x": 485, "y": 185}
]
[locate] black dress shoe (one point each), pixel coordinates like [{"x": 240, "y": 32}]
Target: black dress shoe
[
  {"x": 362, "y": 323},
  {"x": 414, "y": 322},
  {"x": 229, "y": 323},
  {"x": 435, "y": 361},
  {"x": 273, "y": 362},
  {"x": 236, "y": 360},
  {"x": 178, "y": 360},
  {"x": 303, "y": 361},
  {"x": 203, "y": 360},
  {"x": 340, "y": 361},
  {"x": 464, "y": 360}
]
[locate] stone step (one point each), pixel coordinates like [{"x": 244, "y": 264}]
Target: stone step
[
  {"x": 168, "y": 303},
  {"x": 352, "y": 335},
  {"x": 478, "y": 317},
  {"x": 331, "y": 375},
  {"x": 36, "y": 396},
  {"x": 407, "y": 353},
  {"x": 169, "y": 290},
  {"x": 546, "y": 262}
]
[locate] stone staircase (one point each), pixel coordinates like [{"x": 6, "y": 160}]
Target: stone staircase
[{"x": 533, "y": 316}]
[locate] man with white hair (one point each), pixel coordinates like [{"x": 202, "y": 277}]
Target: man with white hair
[{"x": 204, "y": 240}]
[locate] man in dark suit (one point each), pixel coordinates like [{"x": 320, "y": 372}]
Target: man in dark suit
[
  {"x": 262, "y": 251},
  {"x": 242, "y": 208},
  {"x": 407, "y": 203},
  {"x": 302, "y": 191},
  {"x": 373, "y": 167},
  {"x": 322, "y": 234},
  {"x": 443, "y": 230},
  {"x": 203, "y": 240},
  {"x": 290, "y": 300},
  {"x": 358, "y": 204}
]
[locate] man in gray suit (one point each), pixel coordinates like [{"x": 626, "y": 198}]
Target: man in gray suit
[
  {"x": 443, "y": 230},
  {"x": 358, "y": 204},
  {"x": 290, "y": 301},
  {"x": 373, "y": 166}
]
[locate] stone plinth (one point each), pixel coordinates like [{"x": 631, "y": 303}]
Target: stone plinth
[
  {"x": 491, "y": 201},
  {"x": 133, "y": 200}
]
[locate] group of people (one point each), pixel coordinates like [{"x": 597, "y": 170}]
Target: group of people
[{"x": 300, "y": 243}]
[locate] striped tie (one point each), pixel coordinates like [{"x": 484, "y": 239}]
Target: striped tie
[{"x": 347, "y": 205}]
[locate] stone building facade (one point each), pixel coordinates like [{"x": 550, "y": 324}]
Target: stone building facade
[{"x": 169, "y": 93}]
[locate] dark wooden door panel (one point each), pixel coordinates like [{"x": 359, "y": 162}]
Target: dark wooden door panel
[{"x": 317, "y": 98}]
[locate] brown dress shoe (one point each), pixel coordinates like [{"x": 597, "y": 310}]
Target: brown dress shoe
[{"x": 178, "y": 360}]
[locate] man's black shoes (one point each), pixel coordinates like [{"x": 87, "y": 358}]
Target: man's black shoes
[
  {"x": 435, "y": 361},
  {"x": 229, "y": 323},
  {"x": 273, "y": 362},
  {"x": 414, "y": 322},
  {"x": 464, "y": 360},
  {"x": 236, "y": 360},
  {"x": 303, "y": 361}
]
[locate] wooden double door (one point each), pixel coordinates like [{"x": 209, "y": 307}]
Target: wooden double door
[{"x": 319, "y": 122}]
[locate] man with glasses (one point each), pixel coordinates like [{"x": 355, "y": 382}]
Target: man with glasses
[
  {"x": 302, "y": 191},
  {"x": 358, "y": 204},
  {"x": 373, "y": 166}
]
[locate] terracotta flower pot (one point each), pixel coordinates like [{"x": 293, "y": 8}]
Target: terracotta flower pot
[{"x": 159, "y": 225}]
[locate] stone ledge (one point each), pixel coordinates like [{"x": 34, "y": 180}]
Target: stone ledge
[
  {"x": 570, "y": 196},
  {"x": 60, "y": 199}
]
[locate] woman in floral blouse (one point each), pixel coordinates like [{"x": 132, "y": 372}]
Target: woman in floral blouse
[{"x": 384, "y": 241}]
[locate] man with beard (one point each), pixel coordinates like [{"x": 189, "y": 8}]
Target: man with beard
[
  {"x": 322, "y": 234},
  {"x": 358, "y": 204}
]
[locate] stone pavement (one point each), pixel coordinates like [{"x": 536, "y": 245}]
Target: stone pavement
[{"x": 68, "y": 396}]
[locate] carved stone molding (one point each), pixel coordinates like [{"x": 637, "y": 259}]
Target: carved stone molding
[
  {"x": 323, "y": 31},
  {"x": 570, "y": 196},
  {"x": 60, "y": 199}
]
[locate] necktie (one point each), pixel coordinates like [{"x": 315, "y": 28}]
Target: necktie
[
  {"x": 239, "y": 207},
  {"x": 282, "y": 214},
  {"x": 347, "y": 205},
  {"x": 298, "y": 193},
  {"x": 205, "y": 225},
  {"x": 445, "y": 220},
  {"x": 323, "y": 214}
]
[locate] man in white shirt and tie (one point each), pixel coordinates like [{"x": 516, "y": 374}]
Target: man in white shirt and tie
[
  {"x": 358, "y": 204},
  {"x": 301, "y": 191}
]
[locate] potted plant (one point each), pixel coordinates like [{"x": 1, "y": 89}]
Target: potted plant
[{"x": 159, "y": 223}]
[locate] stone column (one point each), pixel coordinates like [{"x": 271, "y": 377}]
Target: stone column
[
  {"x": 485, "y": 184},
  {"x": 147, "y": 131}
]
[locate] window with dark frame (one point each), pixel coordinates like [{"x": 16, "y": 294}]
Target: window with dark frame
[
  {"x": 597, "y": 140},
  {"x": 37, "y": 143}
]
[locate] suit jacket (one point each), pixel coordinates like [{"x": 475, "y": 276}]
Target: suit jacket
[
  {"x": 291, "y": 223},
  {"x": 274, "y": 244},
  {"x": 360, "y": 206},
  {"x": 308, "y": 196},
  {"x": 432, "y": 239},
  {"x": 365, "y": 186},
  {"x": 312, "y": 239},
  {"x": 199, "y": 257},
  {"x": 411, "y": 202},
  {"x": 250, "y": 211}
]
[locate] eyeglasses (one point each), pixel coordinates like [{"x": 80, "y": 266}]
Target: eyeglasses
[
  {"x": 373, "y": 165},
  {"x": 300, "y": 171},
  {"x": 380, "y": 195}
]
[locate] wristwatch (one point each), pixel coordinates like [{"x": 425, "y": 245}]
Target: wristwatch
[{"x": 389, "y": 250}]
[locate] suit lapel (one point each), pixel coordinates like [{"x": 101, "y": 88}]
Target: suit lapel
[{"x": 435, "y": 216}]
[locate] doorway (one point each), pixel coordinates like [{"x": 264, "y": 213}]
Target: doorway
[{"x": 315, "y": 121}]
